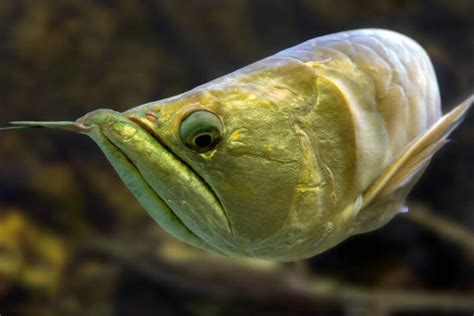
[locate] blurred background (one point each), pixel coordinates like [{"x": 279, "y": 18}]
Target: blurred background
[{"x": 73, "y": 241}]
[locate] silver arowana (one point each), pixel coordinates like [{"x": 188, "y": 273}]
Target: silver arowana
[{"x": 289, "y": 156}]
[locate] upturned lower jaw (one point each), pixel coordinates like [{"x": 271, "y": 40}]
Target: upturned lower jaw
[
  {"x": 154, "y": 176},
  {"x": 168, "y": 178},
  {"x": 146, "y": 196}
]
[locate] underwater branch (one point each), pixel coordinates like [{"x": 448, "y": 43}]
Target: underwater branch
[
  {"x": 194, "y": 272},
  {"x": 446, "y": 229}
]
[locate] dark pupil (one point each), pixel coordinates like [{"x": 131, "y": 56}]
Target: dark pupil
[{"x": 203, "y": 140}]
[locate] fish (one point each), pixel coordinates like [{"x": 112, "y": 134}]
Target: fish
[{"x": 289, "y": 156}]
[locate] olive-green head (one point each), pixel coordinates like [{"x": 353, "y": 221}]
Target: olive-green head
[
  {"x": 230, "y": 166},
  {"x": 238, "y": 139},
  {"x": 216, "y": 167}
]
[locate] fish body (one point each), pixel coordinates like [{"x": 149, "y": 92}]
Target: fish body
[{"x": 288, "y": 156}]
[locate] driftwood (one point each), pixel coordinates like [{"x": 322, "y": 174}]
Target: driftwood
[{"x": 194, "y": 272}]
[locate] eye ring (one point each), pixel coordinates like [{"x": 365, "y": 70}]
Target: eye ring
[{"x": 201, "y": 131}]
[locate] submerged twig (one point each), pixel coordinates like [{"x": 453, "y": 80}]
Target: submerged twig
[
  {"x": 205, "y": 274},
  {"x": 443, "y": 227}
]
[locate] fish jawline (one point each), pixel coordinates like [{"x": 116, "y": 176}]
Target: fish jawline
[
  {"x": 124, "y": 166},
  {"x": 202, "y": 180}
]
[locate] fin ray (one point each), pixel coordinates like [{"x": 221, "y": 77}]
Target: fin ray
[{"x": 417, "y": 155}]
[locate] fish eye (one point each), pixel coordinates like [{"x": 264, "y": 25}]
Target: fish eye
[{"x": 201, "y": 131}]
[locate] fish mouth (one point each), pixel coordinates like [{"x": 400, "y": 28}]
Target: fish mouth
[
  {"x": 169, "y": 189},
  {"x": 158, "y": 139}
]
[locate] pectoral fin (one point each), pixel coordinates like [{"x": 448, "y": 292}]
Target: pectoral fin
[{"x": 406, "y": 168}]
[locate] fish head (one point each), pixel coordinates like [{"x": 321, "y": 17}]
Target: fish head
[
  {"x": 237, "y": 136},
  {"x": 217, "y": 167}
]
